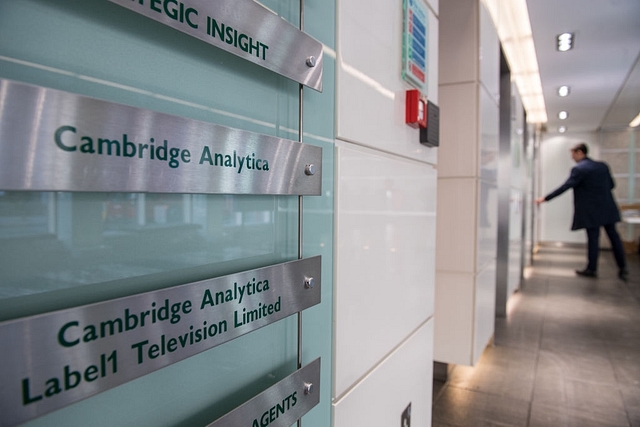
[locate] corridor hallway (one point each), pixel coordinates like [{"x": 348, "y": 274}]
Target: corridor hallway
[{"x": 567, "y": 354}]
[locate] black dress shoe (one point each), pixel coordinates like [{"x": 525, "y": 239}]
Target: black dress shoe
[
  {"x": 586, "y": 273},
  {"x": 623, "y": 274}
]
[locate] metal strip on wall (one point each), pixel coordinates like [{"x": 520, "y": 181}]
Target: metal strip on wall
[
  {"x": 301, "y": 201},
  {"x": 280, "y": 405},
  {"x": 58, "y": 141}
]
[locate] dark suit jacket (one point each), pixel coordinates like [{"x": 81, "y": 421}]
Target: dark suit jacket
[{"x": 592, "y": 199}]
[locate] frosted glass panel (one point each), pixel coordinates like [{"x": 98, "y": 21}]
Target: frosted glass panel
[
  {"x": 65, "y": 249},
  {"x": 102, "y": 50},
  {"x": 130, "y": 240},
  {"x": 89, "y": 238}
]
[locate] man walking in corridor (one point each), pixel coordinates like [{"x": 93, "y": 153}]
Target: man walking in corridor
[{"x": 594, "y": 207}]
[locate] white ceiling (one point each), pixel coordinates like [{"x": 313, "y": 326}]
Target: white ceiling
[{"x": 603, "y": 69}]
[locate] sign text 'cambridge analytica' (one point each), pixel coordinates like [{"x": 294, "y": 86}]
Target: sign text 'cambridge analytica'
[
  {"x": 57, "y": 141},
  {"x": 51, "y": 360}
]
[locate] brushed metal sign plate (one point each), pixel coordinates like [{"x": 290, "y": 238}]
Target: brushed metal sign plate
[
  {"x": 51, "y": 360},
  {"x": 244, "y": 28},
  {"x": 52, "y": 140},
  {"x": 282, "y": 404}
]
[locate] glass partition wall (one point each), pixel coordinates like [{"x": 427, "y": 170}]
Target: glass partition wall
[{"x": 65, "y": 249}]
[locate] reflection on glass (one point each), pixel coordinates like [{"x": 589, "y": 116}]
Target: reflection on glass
[
  {"x": 24, "y": 214},
  {"x": 52, "y": 241}
]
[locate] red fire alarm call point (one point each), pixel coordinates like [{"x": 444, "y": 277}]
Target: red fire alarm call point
[{"x": 416, "y": 115}]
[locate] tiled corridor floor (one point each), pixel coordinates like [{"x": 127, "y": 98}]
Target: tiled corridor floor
[{"x": 567, "y": 354}]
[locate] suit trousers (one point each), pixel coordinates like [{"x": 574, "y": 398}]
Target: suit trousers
[{"x": 593, "y": 246}]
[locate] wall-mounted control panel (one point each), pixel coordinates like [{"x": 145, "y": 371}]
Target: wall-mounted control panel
[{"x": 430, "y": 134}]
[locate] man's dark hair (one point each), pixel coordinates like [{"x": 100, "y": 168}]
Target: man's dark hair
[{"x": 581, "y": 147}]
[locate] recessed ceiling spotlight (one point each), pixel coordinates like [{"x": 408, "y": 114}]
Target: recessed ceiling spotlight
[
  {"x": 563, "y": 115},
  {"x": 562, "y": 129},
  {"x": 564, "y": 42},
  {"x": 563, "y": 91},
  {"x": 635, "y": 122}
]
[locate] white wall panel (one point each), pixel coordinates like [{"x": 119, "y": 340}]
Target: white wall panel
[
  {"x": 458, "y": 131},
  {"x": 518, "y": 199},
  {"x": 515, "y": 241},
  {"x": 402, "y": 378},
  {"x": 456, "y": 226},
  {"x": 489, "y": 140},
  {"x": 487, "y": 225},
  {"x": 434, "y": 5},
  {"x": 458, "y": 42},
  {"x": 464, "y": 317},
  {"x": 385, "y": 252},
  {"x": 371, "y": 96},
  {"x": 454, "y": 317},
  {"x": 518, "y": 167},
  {"x": 485, "y": 309}
]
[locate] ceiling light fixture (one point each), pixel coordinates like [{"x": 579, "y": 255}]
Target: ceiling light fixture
[
  {"x": 635, "y": 122},
  {"x": 563, "y": 91},
  {"x": 511, "y": 19},
  {"x": 563, "y": 115},
  {"x": 564, "y": 42},
  {"x": 562, "y": 129}
]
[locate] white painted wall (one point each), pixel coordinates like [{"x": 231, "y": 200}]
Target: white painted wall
[
  {"x": 555, "y": 217},
  {"x": 385, "y": 219}
]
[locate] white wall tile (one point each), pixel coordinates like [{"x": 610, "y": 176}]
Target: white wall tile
[
  {"x": 464, "y": 317},
  {"x": 485, "y": 310},
  {"x": 516, "y": 215},
  {"x": 515, "y": 261},
  {"x": 489, "y": 137},
  {"x": 487, "y": 225},
  {"x": 518, "y": 158},
  {"x": 454, "y": 317},
  {"x": 371, "y": 94},
  {"x": 369, "y": 32},
  {"x": 385, "y": 252},
  {"x": 403, "y": 378},
  {"x": 456, "y": 234},
  {"x": 458, "y": 46},
  {"x": 458, "y": 130},
  {"x": 434, "y": 5}
]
